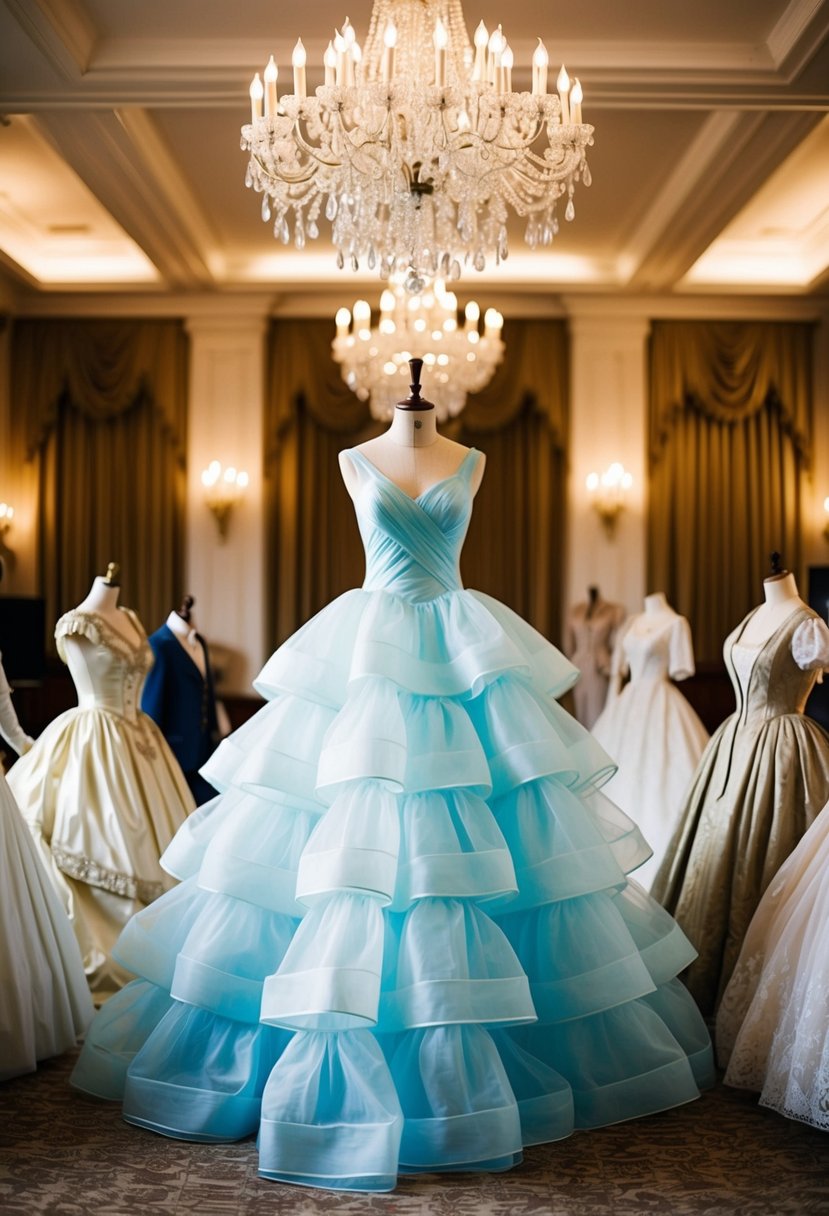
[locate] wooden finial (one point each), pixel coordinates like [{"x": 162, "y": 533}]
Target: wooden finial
[
  {"x": 415, "y": 401},
  {"x": 186, "y": 606}
]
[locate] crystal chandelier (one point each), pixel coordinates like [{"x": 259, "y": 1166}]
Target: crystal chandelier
[
  {"x": 416, "y": 148},
  {"x": 457, "y": 361}
]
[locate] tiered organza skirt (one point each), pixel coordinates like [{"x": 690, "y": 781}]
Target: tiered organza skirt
[{"x": 404, "y": 939}]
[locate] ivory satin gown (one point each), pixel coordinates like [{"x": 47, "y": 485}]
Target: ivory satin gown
[
  {"x": 403, "y": 940},
  {"x": 101, "y": 791}
]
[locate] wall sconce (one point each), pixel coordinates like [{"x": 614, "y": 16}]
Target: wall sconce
[
  {"x": 222, "y": 490},
  {"x": 825, "y": 511},
  {"x": 6, "y": 517},
  {"x": 608, "y": 493}
]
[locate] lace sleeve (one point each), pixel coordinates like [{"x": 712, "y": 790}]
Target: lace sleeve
[
  {"x": 680, "y": 651},
  {"x": 810, "y": 645},
  {"x": 76, "y": 624}
]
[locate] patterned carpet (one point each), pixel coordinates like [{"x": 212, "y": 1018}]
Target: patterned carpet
[{"x": 69, "y": 1156}]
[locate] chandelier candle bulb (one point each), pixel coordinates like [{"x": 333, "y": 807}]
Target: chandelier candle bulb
[
  {"x": 329, "y": 61},
  {"x": 563, "y": 87},
  {"x": 506, "y": 69},
  {"x": 340, "y": 48},
  {"x": 271, "y": 77},
  {"x": 576, "y": 99},
  {"x": 257, "y": 92},
  {"x": 342, "y": 320},
  {"x": 481, "y": 42},
  {"x": 440, "y": 39},
  {"x": 541, "y": 62},
  {"x": 298, "y": 62},
  {"x": 389, "y": 43}
]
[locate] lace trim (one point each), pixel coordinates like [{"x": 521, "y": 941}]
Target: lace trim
[
  {"x": 96, "y": 628},
  {"x": 84, "y": 869}
]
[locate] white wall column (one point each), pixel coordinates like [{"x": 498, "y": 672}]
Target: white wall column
[
  {"x": 225, "y": 423},
  {"x": 608, "y": 422}
]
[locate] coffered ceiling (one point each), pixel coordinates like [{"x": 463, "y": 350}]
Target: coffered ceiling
[{"x": 120, "y": 166}]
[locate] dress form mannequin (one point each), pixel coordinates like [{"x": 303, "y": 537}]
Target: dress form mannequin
[
  {"x": 782, "y": 598},
  {"x": 411, "y": 453},
  {"x": 179, "y": 695},
  {"x": 590, "y": 632},
  {"x": 181, "y": 622},
  {"x": 102, "y": 598}
]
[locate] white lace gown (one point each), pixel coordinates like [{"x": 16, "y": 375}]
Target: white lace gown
[
  {"x": 773, "y": 1022},
  {"x": 44, "y": 999},
  {"x": 651, "y": 731}
]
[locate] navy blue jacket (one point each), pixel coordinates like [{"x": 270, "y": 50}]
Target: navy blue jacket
[{"x": 181, "y": 700}]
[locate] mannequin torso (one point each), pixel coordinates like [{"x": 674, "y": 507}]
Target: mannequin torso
[
  {"x": 103, "y": 600},
  {"x": 185, "y": 633},
  {"x": 781, "y": 600},
  {"x": 658, "y": 613},
  {"x": 412, "y": 454}
]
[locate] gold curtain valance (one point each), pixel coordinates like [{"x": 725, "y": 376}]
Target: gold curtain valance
[
  {"x": 301, "y": 368},
  {"x": 102, "y": 369},
  {"x": 727, "y": 371}
]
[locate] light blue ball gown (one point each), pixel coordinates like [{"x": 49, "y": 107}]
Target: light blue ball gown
[{"x": 403, "y": 939}]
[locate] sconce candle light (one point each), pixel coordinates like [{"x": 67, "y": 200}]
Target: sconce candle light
[
  {"x": 6, "y": 517},
  {"x": 222, "y": 490},
  {"x": 608, "y": 494},
  {"x": 825, "y": 512}
]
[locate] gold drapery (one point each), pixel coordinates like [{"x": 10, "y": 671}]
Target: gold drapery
[
  {"x": 730, "y": 435},
  {"x": 101, "y": 406},
  {"x": 514, "y": 547}
]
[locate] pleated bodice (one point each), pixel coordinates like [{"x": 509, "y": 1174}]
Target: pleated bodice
[
  {"x": 413, "y": 545},
  {"x": 767, "y": 681}
]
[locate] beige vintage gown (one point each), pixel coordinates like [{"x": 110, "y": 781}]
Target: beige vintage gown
[
  {"x": 102, "y": 792},
  {"x": 760, "y": 783},
  {"x": 588, "y": 643}
]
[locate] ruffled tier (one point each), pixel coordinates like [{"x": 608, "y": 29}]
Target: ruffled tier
[{"x": 409, "y": 870}]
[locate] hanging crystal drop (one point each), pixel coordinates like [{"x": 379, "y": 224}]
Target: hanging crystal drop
[
  {"x": 372, "y": 257},
  {"x": 284, "y": 232},
  {"x": 479, "y": 261},
  {"x": 586, "y": 175},
  {"x": 502, "y": 242},
  {"x": 313, "y": 230},
  {"x": 299, "y": 234},
  {"x": 248, "y": 177},
  {"x": 570, "y": 212},
  {"x": 355, "y": 265},
  {"x": 331, "y": 207},
  {"x": 340, "y": 259},
  {"x": 266, "y": 208}
]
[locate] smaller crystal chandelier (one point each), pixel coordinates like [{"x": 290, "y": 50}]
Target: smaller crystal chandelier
[
  {"x": 457, "y": 359},
  {"x": 608, "y": 494}
]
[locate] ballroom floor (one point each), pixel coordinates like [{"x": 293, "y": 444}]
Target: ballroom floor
[{"x": 63, "y": 1154}]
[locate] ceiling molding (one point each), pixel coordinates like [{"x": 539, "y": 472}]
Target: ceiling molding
[
  {"x": 100, "y": 150},
  {"x": 797, "y": 35},
  {"x": 759, "y": 143},
  {"x": 61, "y": 31}
]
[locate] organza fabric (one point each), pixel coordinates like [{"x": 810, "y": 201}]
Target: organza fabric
[{"x": 404, "y": 939}]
